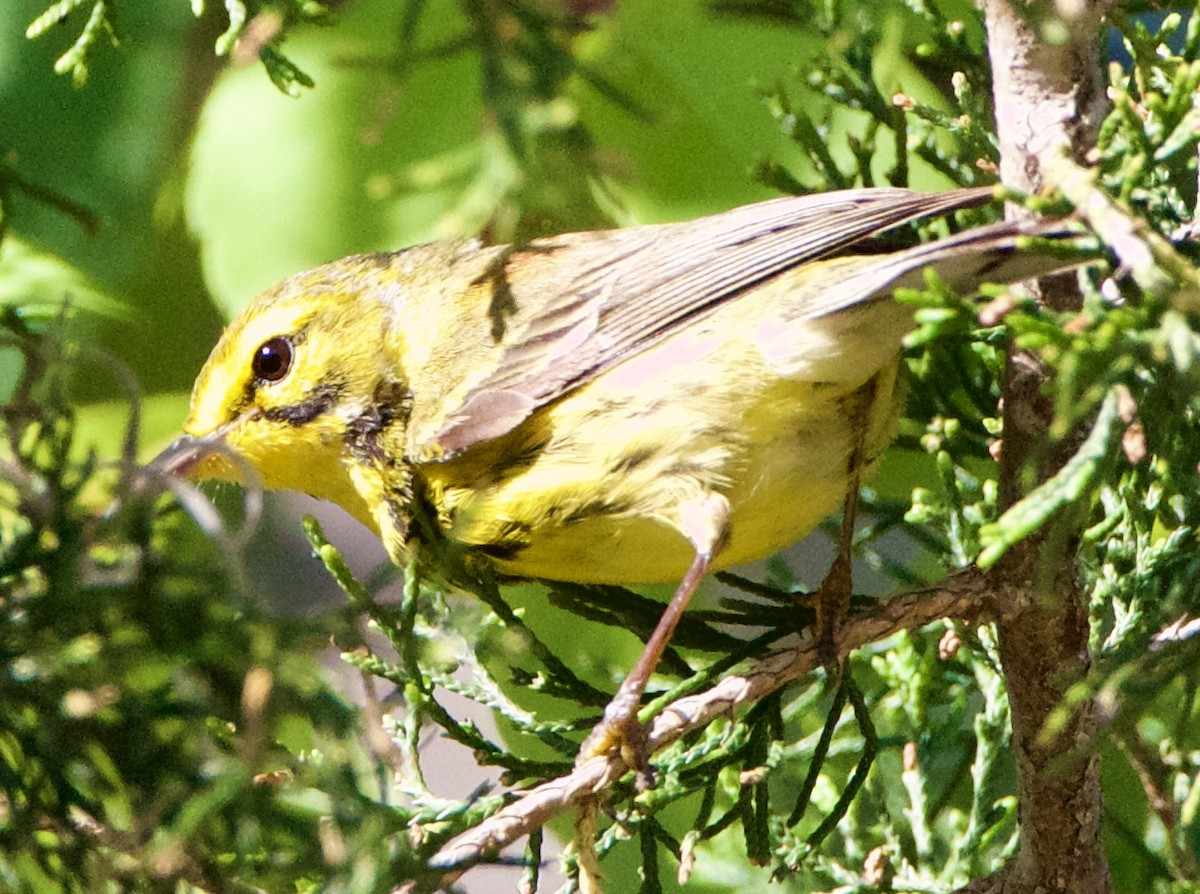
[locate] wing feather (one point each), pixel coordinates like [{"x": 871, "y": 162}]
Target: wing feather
[{"x": 591, "y": 300}]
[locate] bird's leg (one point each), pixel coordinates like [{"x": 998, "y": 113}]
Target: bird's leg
[
  {"x": 705, "y": 523},
  {"x": 832, "y": 599}
]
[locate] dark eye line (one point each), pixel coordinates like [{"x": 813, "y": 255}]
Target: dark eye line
[{"x": 317, "y": 402}]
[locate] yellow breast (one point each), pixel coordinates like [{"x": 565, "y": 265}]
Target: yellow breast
[{"x": 751, "y": 406}]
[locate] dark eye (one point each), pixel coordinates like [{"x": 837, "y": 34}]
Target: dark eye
[{"x": 272, "y": 360}]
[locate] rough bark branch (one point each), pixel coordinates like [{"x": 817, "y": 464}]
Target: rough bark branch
[
  {"x": 965, "y": 596},
  {"x": 1049, "y": 101}
]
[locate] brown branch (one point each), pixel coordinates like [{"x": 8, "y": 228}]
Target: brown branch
[
  {"x": 965, "y": 596},
  {"x": 1049, "y": 100}
]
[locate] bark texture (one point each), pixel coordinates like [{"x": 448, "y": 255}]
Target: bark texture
[{"x": 1049, "y": 100}]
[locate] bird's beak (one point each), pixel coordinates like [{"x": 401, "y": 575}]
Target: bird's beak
[
  {"x": 186, "y": 457},
  {"x": 197, "y": 458}
]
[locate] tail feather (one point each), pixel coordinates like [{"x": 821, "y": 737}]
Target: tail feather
[{"x": 998, "y": 253}]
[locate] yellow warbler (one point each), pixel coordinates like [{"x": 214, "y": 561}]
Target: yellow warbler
[{"x": 631, "y": 406}]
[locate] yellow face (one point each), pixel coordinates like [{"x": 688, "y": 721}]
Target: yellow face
[{"x": 287, "y": 387}]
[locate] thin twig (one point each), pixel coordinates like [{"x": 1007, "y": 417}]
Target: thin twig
[{"x": 963, "y": 596}]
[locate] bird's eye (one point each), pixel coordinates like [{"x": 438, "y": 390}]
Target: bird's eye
[{"x": 272, "y": 360}]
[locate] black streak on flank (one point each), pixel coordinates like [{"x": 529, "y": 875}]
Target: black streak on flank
[
  {"x": 520, "y": 460},
  {"x": 390, "y": 403},
  {"x": 597, "y": 508},
  {"x": 511, "y": 539},
  {"x": 503, "y": 552},
  {"x": 635, "y": 458},
  {"x": 314, "y": 404}
]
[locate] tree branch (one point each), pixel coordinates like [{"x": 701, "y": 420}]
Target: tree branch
[
  {"x": 965, "y": 596},
  {"x": 1048, "y": 100}
]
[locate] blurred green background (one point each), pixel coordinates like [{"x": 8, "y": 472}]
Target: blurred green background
[{"x": 208, "y": 184}]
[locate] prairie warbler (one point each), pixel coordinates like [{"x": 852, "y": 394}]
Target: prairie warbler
[{"x": 632, "y": 406}]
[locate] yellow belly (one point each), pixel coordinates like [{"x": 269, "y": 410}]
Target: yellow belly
[{"x": 762, "y": 419}]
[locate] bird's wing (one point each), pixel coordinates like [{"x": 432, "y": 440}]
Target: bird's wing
[{"x": 583, "y": 302}]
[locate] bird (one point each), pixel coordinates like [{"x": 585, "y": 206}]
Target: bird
[{"x": 627, "y": 406}]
